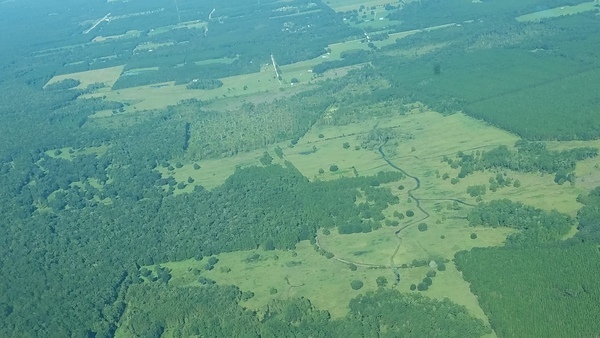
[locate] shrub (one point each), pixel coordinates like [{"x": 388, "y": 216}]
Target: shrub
[
  {"x": 356, "y": 284},
  {"x": 422, "y": 227},
  {"x": 413, "y": 287},
  {"x": 333, "y": 168},
  {"x": 473, "y": 235}
]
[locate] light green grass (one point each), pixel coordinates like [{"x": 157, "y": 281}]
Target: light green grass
[
  {"x": 197, "y": 24},
  {"x": 67, "y": 155},
  {"x": 350, "y": 5},
  {"x": 163, "y": 94},
  {"x": 558, "y": 11},
  {"x": 108, "y": 76},
  {"x": 326, "y": 282},
  {"x": 213, "y": 172}
]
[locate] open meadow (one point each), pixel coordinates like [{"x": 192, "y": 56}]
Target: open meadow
[{"x": 107, "y": 76}]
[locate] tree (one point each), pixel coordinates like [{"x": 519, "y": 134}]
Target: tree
[
  {"x": 321, "y": 171},
  {"x": 422, "y": 287},
  {"x": 473, "y": 235},
  {"x": 269, "y": 245},
  {"x": 413, "y": 287},
  {"x": 333, "y": 168},
  {"x": 353, "y": 267},
  {"x": 410, "y": 213},
  {"x": 266, "y": 159},
  {"x": 381, "y": 281},
  {"x": 356, "y": 284},
  {"x": 422, "y": 227},
  {"x": 196, "y": 166},
  {"x": 346, "y": 145}
]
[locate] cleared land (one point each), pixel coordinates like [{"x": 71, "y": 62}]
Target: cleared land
[
  {"x": 558, "y": 11},
  {"x": 108, "y": 76}
]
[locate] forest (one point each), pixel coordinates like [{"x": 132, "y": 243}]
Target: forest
[{"x": 89, "y": 214}]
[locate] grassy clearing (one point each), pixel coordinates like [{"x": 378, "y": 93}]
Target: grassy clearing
[
  {"x": 213, "y": 172},
  {"x": 164, "y": 94},
  {"x": 148, "y": 46},
  {"x": 558, "y": 11},
  {"x": 377, "y": 247},
  {"x": 108, "y": 76},
  {"x": 299, "y": 273},
  {"x": 128, "y": 34},
  {"x": 69, "y": 153},
  {"x": 350, "y": 5},
  {"x": 197, "y": 24},
  {"x": 329, "y": 151}
]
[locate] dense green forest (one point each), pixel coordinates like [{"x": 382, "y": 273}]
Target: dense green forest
[
  {"x": 536, "y": 291},
  {"x": 86, "y": 211},
  {"x": 214, "y": 311}
]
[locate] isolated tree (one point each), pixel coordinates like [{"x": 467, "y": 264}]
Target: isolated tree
[
  {"x": 356, "y": 284},
  {"x": 346, "y": 145},
  {"x": 410, "y": 213},
  {"x": 422, "y": 227},
  {"x": 333, "y": 168},
  {"x": 473, "y": 235},
  {"x": 381, "y": 281},
  {"x": 269, "y": 245}
]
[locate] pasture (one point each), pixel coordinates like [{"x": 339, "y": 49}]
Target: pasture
[
  {"x": 558, "y": 11},
  {"x": 108, "y": 76}
]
